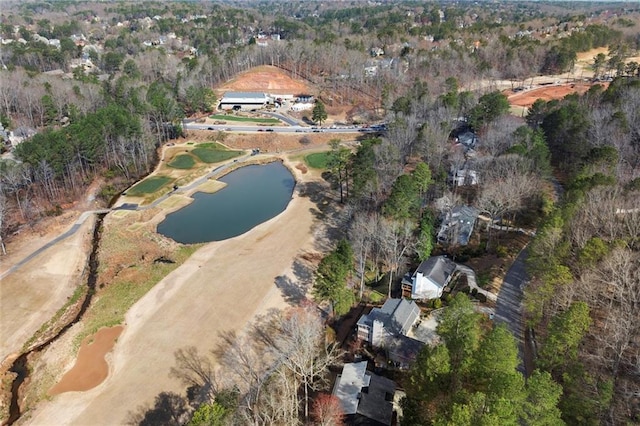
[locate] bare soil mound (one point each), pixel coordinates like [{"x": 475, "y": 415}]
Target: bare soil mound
[
  {"x": 266, "y": 78},
  {"x": 547, "y": 93}
]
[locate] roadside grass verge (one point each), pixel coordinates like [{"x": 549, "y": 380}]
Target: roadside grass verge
[
  {"x": 183, "y": 161},
  {"x": 317, "y": 160},
  {"x": 149, "y": 185},
  {"x": 244, "y": 119},
  {"x": 213, "y": 153}
]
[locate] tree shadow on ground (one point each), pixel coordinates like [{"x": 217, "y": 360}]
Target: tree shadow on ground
[
  {"x": 168, "y": 409},
  {"x": 328, "y": 212},
  {"x": 295, "y": 289}
]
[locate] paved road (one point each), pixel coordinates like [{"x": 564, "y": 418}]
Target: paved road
[
  {"x": 278, "y": 129},
  {"x": 83, "y": 217},
  {"x": 509, "y": 305}
]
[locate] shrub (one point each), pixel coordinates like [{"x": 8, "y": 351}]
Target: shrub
[
  {"x": 437, "y": 304},
  {"x": 501, "y": 251},
  {"x": 481, "y": 297}
]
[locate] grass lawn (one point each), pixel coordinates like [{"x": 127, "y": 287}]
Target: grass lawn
[
  {"x": 213, "y": 153},
  {"x": 183, "y": 161},
  {"x": 249, "y": 119},
  {"x": 317, "y": 160},
  {"x": 149, "y": 185}
]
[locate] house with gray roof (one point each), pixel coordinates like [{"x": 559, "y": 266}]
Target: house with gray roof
[
  {"x": 457, "y": 225},
  {"x": 429, "y": 279},
  {"x": 366, "y": 398},
  {"x": 394, "y": 318}
]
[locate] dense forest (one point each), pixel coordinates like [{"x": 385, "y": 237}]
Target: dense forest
[{"x": 107, "y": 118}]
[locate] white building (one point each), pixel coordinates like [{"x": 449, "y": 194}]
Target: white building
[
  {"x": 243, "y": 100},
  {"x": 429, "y": 279}
]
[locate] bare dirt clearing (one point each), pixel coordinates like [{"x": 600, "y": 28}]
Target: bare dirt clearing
[
  {"x": 546, "y": 93},
  {"x": 267, "y": 79}
]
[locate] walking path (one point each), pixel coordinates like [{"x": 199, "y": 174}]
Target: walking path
[
  {"x": 472, "y": 282},
  {"x": 78, "y": 223}
]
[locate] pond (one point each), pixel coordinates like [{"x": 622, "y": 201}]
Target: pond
[{"x": 253, "y": 195}]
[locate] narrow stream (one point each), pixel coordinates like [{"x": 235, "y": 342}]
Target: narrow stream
[{"x": 20, "y": 365}]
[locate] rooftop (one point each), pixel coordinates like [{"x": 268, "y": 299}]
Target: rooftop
[{"x": 437, "y": 269}]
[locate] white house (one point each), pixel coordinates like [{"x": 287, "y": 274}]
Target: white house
[{"x": 430, "y": 278}]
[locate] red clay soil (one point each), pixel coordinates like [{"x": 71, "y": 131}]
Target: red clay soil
[
  {"x": 547, "y": 93},
  {"x": 266, "y": 79},
  {"x": 90, "y": 368}
]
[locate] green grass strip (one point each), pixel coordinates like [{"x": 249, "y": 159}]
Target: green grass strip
[
  {"x": 183, "y": 161},
  {"x": 244, "y": 119},
  {"x": 149, "y": 185},
  {"x": 317, "y": 160},
  {"x": 209, "y": 155}
]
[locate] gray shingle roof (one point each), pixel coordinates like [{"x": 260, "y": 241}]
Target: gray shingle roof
[
  {"x": 457, "y": 225},
  {"x": 437, "y": 269},
  {"x": 397, "y": 315}
]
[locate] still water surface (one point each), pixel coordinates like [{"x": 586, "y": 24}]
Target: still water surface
[{"x": 253, "y": 195}]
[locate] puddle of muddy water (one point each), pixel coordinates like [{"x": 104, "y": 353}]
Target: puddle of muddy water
[{"x": 90, "y": 368}]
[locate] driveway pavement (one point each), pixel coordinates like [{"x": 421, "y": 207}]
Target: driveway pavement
[{"x": 509, "y": 304}]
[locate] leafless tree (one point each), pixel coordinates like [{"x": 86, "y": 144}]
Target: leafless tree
[
  {"x": 362, "y": 232},
  {"x": 498, "y": 136},
  {"x": 298, "y": 344},
  {"x": 394, "y": 240}
]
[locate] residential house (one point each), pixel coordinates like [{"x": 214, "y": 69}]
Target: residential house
[
  {"x": 464, "y": 177},
  {"x": 366, "y": 398},
  {"x": 457, "y": 225},
  {"x": 430, "y": 278},
  {"x": 394, "y": 318}
]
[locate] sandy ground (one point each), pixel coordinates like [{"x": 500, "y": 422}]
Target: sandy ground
[
  {"x": 33, "y": 294},
  {"x": 221, "y": 287}
]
